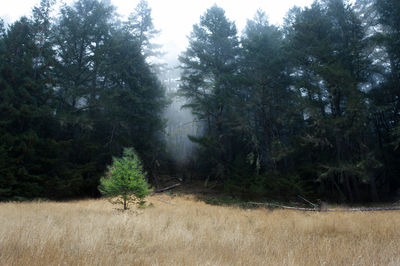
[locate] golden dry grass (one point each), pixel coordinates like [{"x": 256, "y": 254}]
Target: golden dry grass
[{"x": 190, "y": 232}]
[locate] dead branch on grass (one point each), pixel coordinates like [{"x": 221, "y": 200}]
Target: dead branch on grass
[{"x": 166, "y": 188}]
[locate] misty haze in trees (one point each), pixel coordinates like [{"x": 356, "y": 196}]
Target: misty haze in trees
[
  {"x": 75, "y": 90},
  {"x": 181, "y": 123},
  {"x": 309, "y": 108}
]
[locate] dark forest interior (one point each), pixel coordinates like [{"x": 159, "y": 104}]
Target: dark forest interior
[{"x": 310, "y": 108}]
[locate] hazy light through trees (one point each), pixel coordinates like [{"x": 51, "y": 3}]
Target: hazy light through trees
[{"x": 266, "y": 109}]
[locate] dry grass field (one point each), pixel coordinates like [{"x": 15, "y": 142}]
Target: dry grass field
[{"x": 183, "y": 231}]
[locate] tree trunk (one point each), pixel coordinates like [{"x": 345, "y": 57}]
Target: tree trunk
[
  {"x": 374, "y": 191},
  {"x": 348, "y": 187}
]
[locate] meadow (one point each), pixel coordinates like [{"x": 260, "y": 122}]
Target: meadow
[{"x": 184, "y": 231}]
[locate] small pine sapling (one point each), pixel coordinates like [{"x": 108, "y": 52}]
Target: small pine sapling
[{"x": 125, "y": 180}]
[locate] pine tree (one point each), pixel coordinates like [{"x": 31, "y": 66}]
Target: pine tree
[
  {"x": 134, "y": 100},
  {"x": 208, "y": 82},
  {"x": 269, "y": 95},
  {"x": 25, "y": 111},
  {"x": 74, "y": 92},
  {"x": 330, "y": 68},
  {"x": 125, "y": 180},
  {"x": 140, "y": 25},
  {"x": 385, "y": 95}
]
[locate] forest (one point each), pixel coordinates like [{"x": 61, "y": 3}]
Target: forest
[{"x": 309, "y": 108}]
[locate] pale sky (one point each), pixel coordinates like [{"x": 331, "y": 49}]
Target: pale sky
[{"x": 175, "y": 18}]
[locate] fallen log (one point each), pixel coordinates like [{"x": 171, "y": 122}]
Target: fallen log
[
  {"x": 361, "y": 209},
  {"x": 364, "y": 209},
  {"x": 309, "y": 202},
  {"x": 166, "y": 188},
  {"x": 166, "y": 201},
  {"x": 278, "y": 206}
]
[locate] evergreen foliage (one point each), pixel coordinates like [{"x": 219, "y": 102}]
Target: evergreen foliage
[
  {"x": 311, "y": 108},
  {"x": 301, "y": 111},
  {"x": 75, "y": 90},
  {"x": 208, "y": 82},
  {"x": 125, "y": 179}
]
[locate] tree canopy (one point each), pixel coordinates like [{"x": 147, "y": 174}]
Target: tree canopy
[
  {"x": 310, "y": 108},
  {"x": 75, "y": 90}
]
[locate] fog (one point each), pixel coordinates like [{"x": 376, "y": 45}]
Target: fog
[
  {"x": 174, "y": 19},
  {"x": 180, "y": 121}
]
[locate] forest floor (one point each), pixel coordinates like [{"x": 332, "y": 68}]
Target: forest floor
[{"x": 182, "y": 230}]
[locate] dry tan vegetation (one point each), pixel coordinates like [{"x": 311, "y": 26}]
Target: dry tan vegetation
[{"x": 183, "y": 231}]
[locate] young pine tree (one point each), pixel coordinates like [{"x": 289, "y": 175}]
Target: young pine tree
[{"x": 125, "y": 179}]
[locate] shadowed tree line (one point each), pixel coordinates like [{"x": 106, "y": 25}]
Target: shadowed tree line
[
  {"x": 309, "y": 108},
  {"x": 74, "y": 90}
]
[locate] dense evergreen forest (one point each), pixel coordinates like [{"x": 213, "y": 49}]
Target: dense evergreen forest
[{"x": 308, "y": 108}]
